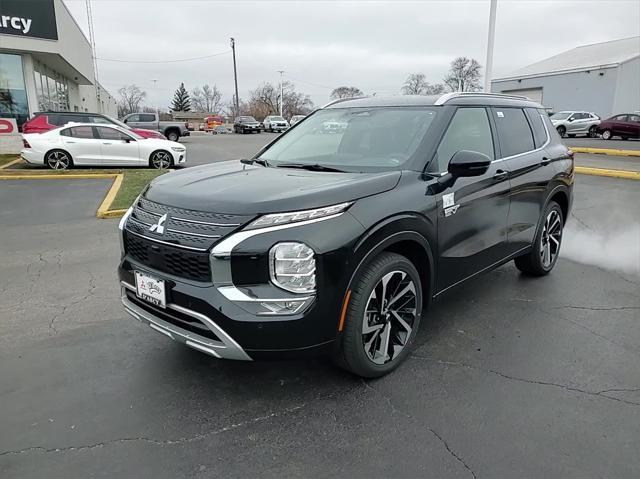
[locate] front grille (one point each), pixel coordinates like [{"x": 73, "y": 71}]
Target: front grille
[
  {"x": 168, "y": 259},
  {"x": 178, "y": 245}
]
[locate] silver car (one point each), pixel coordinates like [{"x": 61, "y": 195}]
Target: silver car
[{"x": 572, "y": 123}]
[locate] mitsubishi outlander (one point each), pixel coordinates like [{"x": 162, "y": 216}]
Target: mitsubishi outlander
[{"x": 335, "y": 241}]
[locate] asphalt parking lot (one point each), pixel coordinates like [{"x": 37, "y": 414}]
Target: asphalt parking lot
[{"x": 510, "y": 377}]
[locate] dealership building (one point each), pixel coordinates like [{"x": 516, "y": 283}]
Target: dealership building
[
  {"x": 603, "y": 78},
  {"x": 46, "y": 62}
]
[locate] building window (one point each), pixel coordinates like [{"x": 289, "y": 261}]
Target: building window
[
  {"x": 52, "y": 89},
  {"x": 13, "y": 94}
]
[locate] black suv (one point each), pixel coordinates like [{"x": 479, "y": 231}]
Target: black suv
[
  {"x": 336, "y": 243},
  {"x": 246, "y": 124}
]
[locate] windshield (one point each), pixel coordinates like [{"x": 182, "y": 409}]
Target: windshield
[
  {"x": 277, "y": 118},
  {"x": 354, "y": 139},
  {"x": 247, "y": 118},
  {"x": 133, "y": 134},
  {"x": 120, "y": 124},
  {"x": 561, "y": 115}
]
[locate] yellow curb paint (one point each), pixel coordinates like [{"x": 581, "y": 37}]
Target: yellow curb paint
[
  {"x": 49, "y": 176},
  {"x": 629, "y": 175},
  {"x": 605, "y": 151},
  {"x": 7, "y": 165},
  {"x": 103, "y": 209}
]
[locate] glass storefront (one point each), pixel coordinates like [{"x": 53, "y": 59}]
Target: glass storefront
[
  {"x": 13, "y": 93},
  {"x": 52, "y": 89}
]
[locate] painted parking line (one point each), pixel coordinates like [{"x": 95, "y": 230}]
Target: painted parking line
[{"x": 629, "y": 175}]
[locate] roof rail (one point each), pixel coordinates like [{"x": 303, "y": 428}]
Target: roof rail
[
  {"x": 448, "y": 96},
  {"x": 340, "y": 100}
]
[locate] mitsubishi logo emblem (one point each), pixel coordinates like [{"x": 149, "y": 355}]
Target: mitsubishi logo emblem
[{"x": 159, "y": 226}]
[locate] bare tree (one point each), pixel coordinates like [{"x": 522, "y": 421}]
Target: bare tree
[
  {"x": 416, "y": 84},
  {"x": 265, "y": 100},
  {"x": 345, "y": 92},
  {"x": 130, "y": 98},
  {"x": 464, "y": 75},
  {"x": 208, "y": 99}
]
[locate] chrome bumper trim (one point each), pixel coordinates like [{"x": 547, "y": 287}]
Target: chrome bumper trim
[{"x": 226, "y": 348}]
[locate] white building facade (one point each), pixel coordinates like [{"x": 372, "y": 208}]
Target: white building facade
[
  {"x": 46, "y": 62},
  {"x": 603, "y": 78}
]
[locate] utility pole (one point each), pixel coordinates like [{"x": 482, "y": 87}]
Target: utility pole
[
  {"x": 281, "y": 97},
  {"x": 155, "y": 82},
  {"x": 92, "y": 40},
  {"x": 235, "y": 75},
  {"x": 490, "y": 41}
]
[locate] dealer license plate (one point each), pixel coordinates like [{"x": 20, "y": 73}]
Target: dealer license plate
[{"x": 150, "y": 289}]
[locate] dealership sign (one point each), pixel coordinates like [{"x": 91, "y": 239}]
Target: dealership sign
[
  {"x": 10, "y": 137},
  {"x": 28, "y": 18}
]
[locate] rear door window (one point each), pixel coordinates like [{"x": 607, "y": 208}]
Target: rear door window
[
  {"x": 85, "y": 132},
  {"x": 539, "y": 132},
  {"x": 469, "y": 130},
  {"x": 514, "y": 132},
  {"x": 107, "y": 133},
  {"x": 146, "y": 117}
]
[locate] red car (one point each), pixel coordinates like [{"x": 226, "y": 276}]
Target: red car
[
  {"x": 625, "y": 126},
  {"x": 48, "y": 120}
]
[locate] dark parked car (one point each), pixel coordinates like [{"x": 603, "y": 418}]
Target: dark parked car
[
  {"x": 246, "y": 124},
  {"x": 44, "y": 121},
  {"x": 625, "y": 126},
  {"x": 335, "y": 244}
]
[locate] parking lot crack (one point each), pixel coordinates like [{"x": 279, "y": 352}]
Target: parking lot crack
[
  {"x": 90, "y": 291},
  {"x": 566, "y": 387},
  {"x": 433, "y": 432},
  {"x": 156, "y": 442},
  {"x": 595, "y": 308}
]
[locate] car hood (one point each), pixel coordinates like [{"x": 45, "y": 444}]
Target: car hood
[{"x": 233, "y": 188}]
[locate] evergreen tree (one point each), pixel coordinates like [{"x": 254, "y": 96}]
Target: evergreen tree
[{"x": 181, "y": 100}]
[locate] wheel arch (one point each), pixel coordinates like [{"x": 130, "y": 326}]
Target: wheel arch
[
  {"x": 408, "y": 235},
  {"x": 560, "y": 194}
]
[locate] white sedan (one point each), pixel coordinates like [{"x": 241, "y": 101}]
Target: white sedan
[{"x": 90, "y": 144}]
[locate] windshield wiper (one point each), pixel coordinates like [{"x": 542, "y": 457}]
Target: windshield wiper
[
  {"x": 264, "y": 163},
  {"x": 309, "y": 167}
]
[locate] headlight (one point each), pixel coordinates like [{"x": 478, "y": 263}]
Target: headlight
[
  {"x": 295, "y": 216},
  {"x": 292, "y": 267},
  {"x": 178, "y": 149}
]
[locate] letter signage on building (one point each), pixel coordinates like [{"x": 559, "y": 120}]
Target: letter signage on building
[{"x": 28, "y": 18}]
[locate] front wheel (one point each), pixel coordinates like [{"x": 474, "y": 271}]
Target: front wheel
[
  {"x": 382, "y": 317},
  {"x": 546, "y": 245},
  {"x": 606, "y": 135},
  {"x": 561, "y": 131},
  {"x": 160, "y": 160},
  {"x": 593, "y": 132},
  {"x": 173, "y": 136}
]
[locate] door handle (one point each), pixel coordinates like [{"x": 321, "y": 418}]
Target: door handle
[
  {"x": 545, "y": 161},
  {"x": 69, "y": 142},
  {"x": 500, "y": 175},
  {"x": 106, "y": 143}
]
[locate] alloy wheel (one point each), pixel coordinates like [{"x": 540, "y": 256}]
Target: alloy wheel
[
  {"x": 389, "y": 317},
  {"x": 551, "y": 238},
  {"x": 161, "y": 160},
  {"x": 606, "y": 135},
  {"x": 58, "y": 160}
]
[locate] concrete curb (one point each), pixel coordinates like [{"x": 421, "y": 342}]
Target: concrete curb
[
  {"x": 628, "y": 175},
  {"x": 605, "y": 151},
  {"x": 103, "y": 209}
]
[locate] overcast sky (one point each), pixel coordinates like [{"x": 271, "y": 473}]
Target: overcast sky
[{"x": 322, "y": 45}]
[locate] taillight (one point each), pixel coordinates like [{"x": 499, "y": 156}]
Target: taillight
[{"x": 25, "y": 143}]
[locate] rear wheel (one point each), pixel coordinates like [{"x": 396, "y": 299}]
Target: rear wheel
[
  {"x": 58, "y": 160},
  {"x": 606, "y": 135},
  {"x": 592, "y": 132},
  {"x": 546, "y": 246},
  {"x": 382, "y": 318},
  {"x": 160, "y": 160},
  {"x": 561, "y": 131}
]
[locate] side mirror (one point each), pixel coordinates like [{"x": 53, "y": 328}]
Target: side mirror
[
  {"x": 571, "y": 119},
  {"x": 127, "y": 140},
  {"x": 465, "y": 163}
]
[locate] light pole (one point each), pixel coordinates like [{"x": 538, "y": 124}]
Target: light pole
[
  {"x": 235, "y": 74},
  {"x": 281, "y": 97},
  {"x": 155, "y": 90},
  {"x": 490, "y": 41}
]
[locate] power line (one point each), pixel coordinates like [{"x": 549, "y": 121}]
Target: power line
[{"x": 119, "y": 60}]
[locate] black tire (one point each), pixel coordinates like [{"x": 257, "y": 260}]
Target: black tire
[
  {"x": 624, "y": 137},
  {"x": 173, "y": 135},
  {"x": 160, "y": 160},
  {"x": 606, "y": 135},
  {"x": 351, "y": 354},
  {"x": 571, "y": 136},
  {"x": 593, "y": 133},
  {"x": 58, "y": 160},
  {"x": 535, "y": 262},
  {"x": 561, "y": 131}
]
